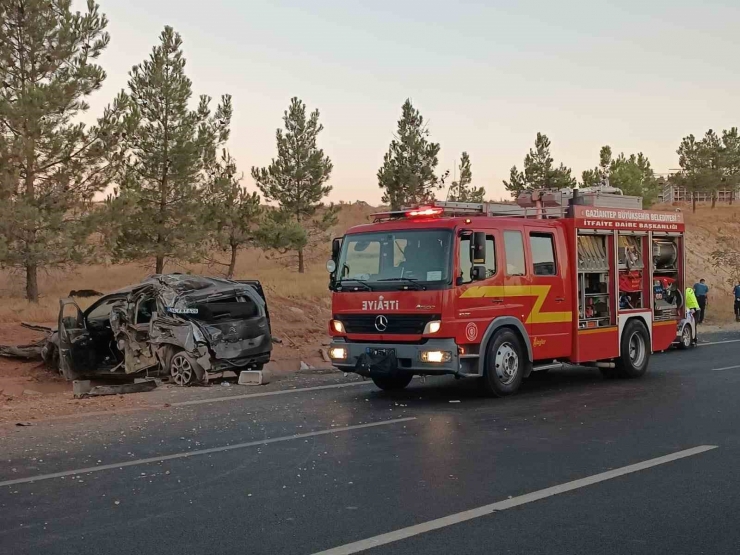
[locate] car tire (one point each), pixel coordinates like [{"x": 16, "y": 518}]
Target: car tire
[
  {"x": 635, "y": 351},
  {"x": 685, "y": 341},
  {"x": 393, "y": 383},
  {"x": 184, "y": 370},
  {"x": 505, "y": 364}
]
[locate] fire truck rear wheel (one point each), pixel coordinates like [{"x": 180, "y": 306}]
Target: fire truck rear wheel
[
  {"x": 393, "y": 383},
  {"x": 633, "y": 362},
  {"x": 686, "y": 341},
  {"x": 505, "y": 364}
]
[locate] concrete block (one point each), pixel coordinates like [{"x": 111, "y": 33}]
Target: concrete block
[
  {"x": 80, "y": 387},
  {"x": 252, "y": 377}
]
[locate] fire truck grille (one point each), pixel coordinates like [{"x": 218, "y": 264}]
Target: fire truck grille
[{"x": 400, "y": 324}]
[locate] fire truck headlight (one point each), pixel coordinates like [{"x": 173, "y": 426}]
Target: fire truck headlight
[
  {"x": 432, "y": 327},
  {"x": 337, "y": 326},
  {"x": 338, "y": 353},
  {"x": 435, "y": 356}
]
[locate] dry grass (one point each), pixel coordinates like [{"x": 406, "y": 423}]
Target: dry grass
[{"x": 278, "y": 275}]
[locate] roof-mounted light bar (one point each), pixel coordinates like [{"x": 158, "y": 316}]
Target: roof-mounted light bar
[{"x": 425, "y": 212}]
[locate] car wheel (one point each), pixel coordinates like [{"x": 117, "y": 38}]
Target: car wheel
[
  {"x": 505, "y": 364},
  {"x": 686, "y": 340},
  {"x": 393, "y": 383},
  {"x": 184, "y": 370},
  {"x": 635, "y": 351}
]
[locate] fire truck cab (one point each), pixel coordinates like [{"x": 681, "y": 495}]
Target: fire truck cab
[{"x": 495, "y": 291}]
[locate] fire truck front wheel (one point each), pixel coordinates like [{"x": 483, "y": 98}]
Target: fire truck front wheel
[
  {"x": 505, "y": 364},
  {"x": 393, "y": 383},
  {"x": 635, "y": 351}
]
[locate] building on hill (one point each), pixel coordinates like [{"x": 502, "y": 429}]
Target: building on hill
[{"x": 673, "y": 193}]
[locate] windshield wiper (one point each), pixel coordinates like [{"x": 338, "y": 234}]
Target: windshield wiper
[
  {"x": 362, "y": 283},
  {"x": 406, "y": 280}
]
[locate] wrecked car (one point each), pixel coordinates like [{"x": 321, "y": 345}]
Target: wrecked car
[{"x": 175, "y": 325}]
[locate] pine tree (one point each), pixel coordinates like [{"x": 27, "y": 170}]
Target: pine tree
[
  {"x": 169, "y": 149},
  {"x": 50, "y": 166},
  {"x": 407, "y": 175},
  {"x": 231, "y": 212},
  {"x": 460, "y": 190},
  {"x": 633, "y": 175},
  {"x": 297, "y": 178},
  {"x": 539, "y": 171}
]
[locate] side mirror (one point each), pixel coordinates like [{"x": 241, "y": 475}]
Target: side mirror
[
  {"x": 478, "y": 248},
  {"x": 478, "y": 273},
  {"x": 331, "y": 266},
  {"x": 336, "y": 246}
]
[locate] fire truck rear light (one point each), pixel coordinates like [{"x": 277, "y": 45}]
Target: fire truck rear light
[
  {"x": 425, "y": 212},
  {"x": 432, "y": 327},
  {"x": 435, "y": 356},
  {"x": 337, "y": 326},
  {"x": 338, "y": 353}
]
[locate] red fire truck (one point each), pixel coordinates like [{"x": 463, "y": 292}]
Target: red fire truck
[{"x": 495, "y": 291}]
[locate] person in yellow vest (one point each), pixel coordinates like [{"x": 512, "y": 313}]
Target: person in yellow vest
[{"x": 692, "y": 306}]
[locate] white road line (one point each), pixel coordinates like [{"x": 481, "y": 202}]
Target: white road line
[
  {"x": 718, "y": 342},
  {"x": 188, "y": 454},
  {"x": 266, "y": 394},
  {"x": 726, "y": 368},
  {"x": 443, "y": 522}
]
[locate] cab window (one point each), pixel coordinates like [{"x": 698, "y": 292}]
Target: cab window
[
  {"x": 542, "y": 246},
  {"x": 514, "y": 247},
  {"x": 466, "y": 265}
]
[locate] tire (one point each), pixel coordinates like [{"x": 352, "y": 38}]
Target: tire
[
  {"x": 393, "y": 383},
  {"x": 686, "y": 341},
  {"x": 505, "y": 364},
  {"x": 635, "y": 351},
  {"x": 184, "y": 370}
]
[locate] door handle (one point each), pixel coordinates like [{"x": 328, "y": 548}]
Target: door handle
[
  {"x": 497, "y": 301},
  {"x": 559, "y": 299}
]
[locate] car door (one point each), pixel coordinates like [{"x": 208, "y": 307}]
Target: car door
[
  {"x": 550, "y": 321},
  {"x": 131, "y": 321},
  {"x": 76, "y": 352}
]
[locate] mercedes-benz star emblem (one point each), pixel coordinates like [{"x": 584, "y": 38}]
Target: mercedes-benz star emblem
[{"x": 381, "y": 323}]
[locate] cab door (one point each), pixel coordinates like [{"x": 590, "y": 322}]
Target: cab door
[
  {"x": 517, "y": 279},
  {"x": 550, "y": 321},
  {"x": 478, "y": 301}
]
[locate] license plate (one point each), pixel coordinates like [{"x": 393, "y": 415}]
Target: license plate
[{"x": 379, "y": 352}]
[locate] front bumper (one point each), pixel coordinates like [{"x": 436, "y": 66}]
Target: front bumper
[{"x": 407, "y": 356}]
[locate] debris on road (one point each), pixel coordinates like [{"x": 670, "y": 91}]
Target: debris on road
[{"x": 121, "y": 389}]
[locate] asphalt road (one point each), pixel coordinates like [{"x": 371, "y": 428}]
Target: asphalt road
[{"x": 572, "y": 464}]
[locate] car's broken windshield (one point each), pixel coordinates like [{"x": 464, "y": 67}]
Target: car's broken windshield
[{"x": 396, "y": 256}]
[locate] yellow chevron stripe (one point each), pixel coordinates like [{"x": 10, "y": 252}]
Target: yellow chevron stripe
[{"x": 539, "y": 291}]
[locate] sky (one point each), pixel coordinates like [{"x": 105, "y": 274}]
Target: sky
[{"x": 486, "y": 76}]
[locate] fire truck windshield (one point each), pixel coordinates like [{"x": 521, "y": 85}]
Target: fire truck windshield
[{"x": 401, "y": 256}]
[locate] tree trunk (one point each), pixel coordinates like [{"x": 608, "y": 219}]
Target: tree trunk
[
  {"x": 232, "y": 263},
  {"x": 301, "y": 266},
  {"x": 714, "y": 199},
  {"x": 732, "y": 196},
  {"x": 160, "y": 264},
  {"x": 693, "y": 202},
  {"x": 32, "y": 284}
]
